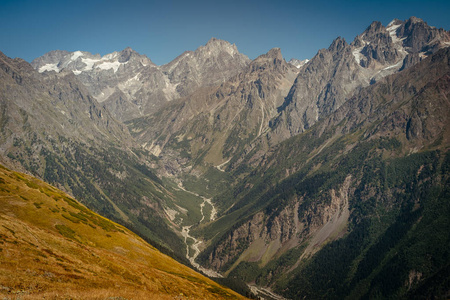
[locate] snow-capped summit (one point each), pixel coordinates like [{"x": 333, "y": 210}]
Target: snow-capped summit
[
  {"x": 131, "y": 85},
  {"x": 386, "y": 50},
  {"x": 81, "y": 61},
  {"x": 298, "y": 63}
]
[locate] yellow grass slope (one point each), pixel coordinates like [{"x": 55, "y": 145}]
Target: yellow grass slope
[{"x": 52, "y": 247}]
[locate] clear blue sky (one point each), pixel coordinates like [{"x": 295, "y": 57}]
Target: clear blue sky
[{"x": 164, "y": 29}]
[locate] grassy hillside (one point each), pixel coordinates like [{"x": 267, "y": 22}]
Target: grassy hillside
[{"x": 51, "y": 246}]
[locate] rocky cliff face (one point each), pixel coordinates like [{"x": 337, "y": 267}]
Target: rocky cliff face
[
  {"x": 263, "y": 105},
  {"x": 74, "y": 113},
  {"x": 265, "y": 236},
  {"x": 357, "y": 182},
  {"x": 54, "y": 129},
  {"x": 219, "y": 122},
  {"x": 99, "y": 74},
  {"x": 323, "y": 84},
  {"x": 420, "y": 121},
  {"x": 334, "y": 74},
  {"x": 209, "y": 65},
  {"x": 131, "y": 85}
]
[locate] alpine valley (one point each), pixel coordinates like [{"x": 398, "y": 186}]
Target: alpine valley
[{"x": 326, "y": 178}]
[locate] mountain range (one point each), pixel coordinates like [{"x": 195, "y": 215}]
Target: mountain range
[
  {"x": 125, "y": 81},
  {"x": 322, "y": 178}
]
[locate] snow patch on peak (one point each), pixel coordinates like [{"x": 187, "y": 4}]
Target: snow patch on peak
[
  {"x": 398, "y": 42},
  {"x": 110, "y": 65},
  {"x": 392, "y": 27},
  {"x": 396, "y": 66},
  {"x": 391, "y": 23},
  {"x": 49, "y": 67},
  {"x": 108, "y": 61},
  {"x": 357, "y": 51},
  {"x": 231, "y": 49},
  {"x": 110, "y": 56},
  {"x": 135, "y": 78},
  {"x": 76, "y": 54},
  {"x": 394, "y": 22},
  {"x": 89, "y": 63},
  {"x": 357, "y": 54},
  {"x": 298, "y": 63}
]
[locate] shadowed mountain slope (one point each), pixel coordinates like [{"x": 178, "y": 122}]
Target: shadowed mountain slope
[{"x": 353, "y": 204}]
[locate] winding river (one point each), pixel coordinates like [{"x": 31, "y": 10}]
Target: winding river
[{"x": 185, "y": 232}]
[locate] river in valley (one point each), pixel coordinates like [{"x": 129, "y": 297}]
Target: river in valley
[{"x": 194, "y": 246}]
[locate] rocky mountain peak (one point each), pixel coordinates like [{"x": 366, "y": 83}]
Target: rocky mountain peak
[
  {"x": 126, "y": 54},
  {"x": 208, "y": 65},
  {"x": 270, "y": 61},
  {"x": 129, "y": 54},
  {"x": 128, "y": 49},
  {"x": 415, "y": 20},
  {"x": 374, "y": 27},
  {"x": 419, "y": 37},
  {"x": 335, "y": 73},
  {"x": 375, "y": 33},
  {"x": 54, "y": 56},
  {"x": 216, "y": 46},
  {"x": 16, "y": 69},
  {"x": 413, "y": 24},
  {"x": 338, "y": 45},
  {"x": 394, "y": 22},
  {"x": 275, "y": 53},
  {"x": 214, "y": 42}
]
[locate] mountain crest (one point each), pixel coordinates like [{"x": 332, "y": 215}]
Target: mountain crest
[
  {"x": 214, "y": 42},
  {"x": 338, "y": 45},
  {"x": 272, "y": 60},
  {"x": 415, "y": 20},
  {"x": 334, "y": 73},
  {"x": 394, "y": 22},
  {"x": 374, "y": 27},
  {"x": 129, "y": 54},
  {"x": 275, "y": 53},
  {"x": 216, "y": 46}
]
